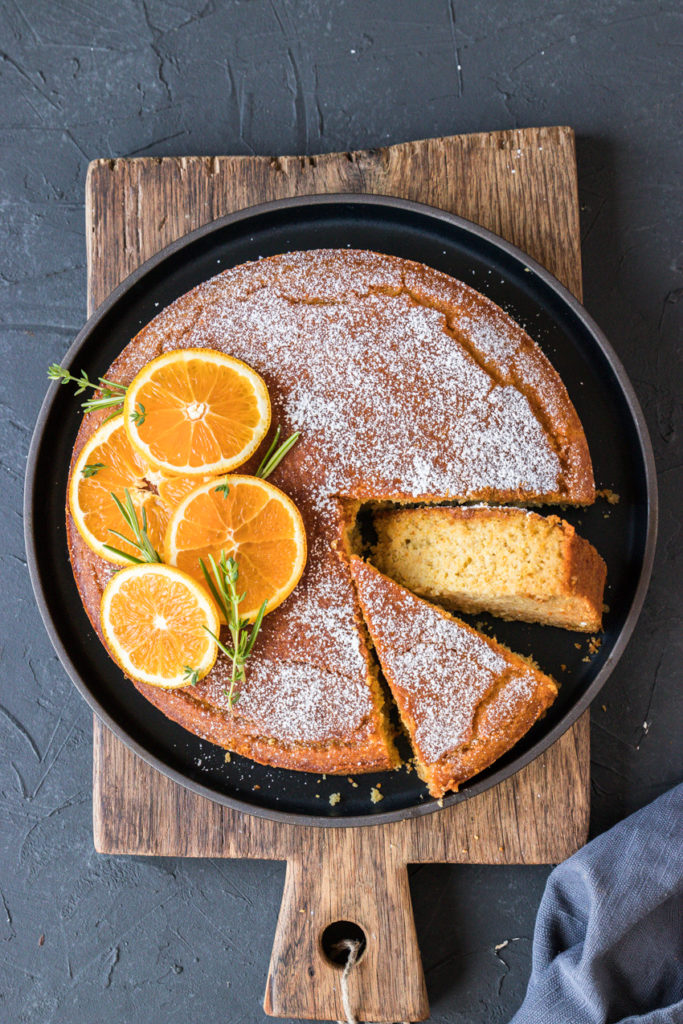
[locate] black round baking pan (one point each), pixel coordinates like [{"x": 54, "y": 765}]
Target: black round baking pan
[{"x": 624, "y": 532}]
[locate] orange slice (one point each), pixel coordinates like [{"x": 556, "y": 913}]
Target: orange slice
[
  {"x": 255, "y": 523},
  {"x": 109, "y": 463},
  {"x": 196, "y": 411},
  {"x": 155, "y": 622}
]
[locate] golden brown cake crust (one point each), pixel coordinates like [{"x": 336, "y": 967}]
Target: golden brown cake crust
[
  {"x": 407, "y": 386},
  {"x": 464, "y": 699}
]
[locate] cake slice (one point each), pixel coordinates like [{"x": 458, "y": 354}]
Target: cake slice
[
  {"x": 506, "y": 561},
  {"x": 463, "y": 698}
]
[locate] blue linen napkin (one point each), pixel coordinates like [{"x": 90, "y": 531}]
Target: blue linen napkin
[{"x": 608, "y": 941}]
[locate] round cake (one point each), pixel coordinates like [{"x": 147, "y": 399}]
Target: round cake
[{"x": 407, "y": 387}]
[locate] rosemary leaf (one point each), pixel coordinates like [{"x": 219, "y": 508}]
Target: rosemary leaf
[
  {"x": 92, "y": 469},
  {"x": 140, "y": 539},
  {"x": 191, "y": 674},
  {"x": 274, "y": 456},
  {"x": 124, "y": 554},
  {"x": 139, "y": 415}
]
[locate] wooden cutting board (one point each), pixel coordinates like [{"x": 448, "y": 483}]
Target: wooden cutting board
[{"x": 522, "y": 185}]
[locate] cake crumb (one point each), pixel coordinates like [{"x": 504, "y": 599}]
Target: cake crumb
[
  {"x": 375, "y": 795},
  {"x": 440, "y": 801},
  {"x": 334, "y": 799},
  {"x": 604, "y": 707},
  {"x": 594, "y": 644},
  {"x": 352, "y": 782},
  {"x": 227, "y": 757},
  {"x": 611, "y": 496},
  {"x": 578, "y": 646},
  {"x": 587, "y": 658},
  {"x": 257, "y": 786}
]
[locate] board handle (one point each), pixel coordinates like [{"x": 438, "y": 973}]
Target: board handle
[{"x": 343, "y": 877}]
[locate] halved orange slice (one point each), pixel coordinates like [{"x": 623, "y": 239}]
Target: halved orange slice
[
  {"x": 251, "y": 520},
  {"x": 196, "y": 411},
  {"x": 155, "y": 621},
  {"x": 109, "y": 463}
]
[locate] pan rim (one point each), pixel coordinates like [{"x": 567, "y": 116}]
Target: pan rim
[{"x": 580, "y": 313}]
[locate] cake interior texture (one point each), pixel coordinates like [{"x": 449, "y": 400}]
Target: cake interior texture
[
  {"x": 464, "y": 699},
  {"x": 506, "y": 561}
]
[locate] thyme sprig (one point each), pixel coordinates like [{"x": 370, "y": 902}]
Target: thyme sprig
[
  {"x": 141, "y": 539},
  {"x": 222, "y": 582},
  {"x": 274, "y": 456},
  {"x": 110, "y": 395}
]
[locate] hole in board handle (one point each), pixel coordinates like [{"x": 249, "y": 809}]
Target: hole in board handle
[{"x": 335, "y": 936}]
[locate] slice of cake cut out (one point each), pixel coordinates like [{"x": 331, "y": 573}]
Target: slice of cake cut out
[
  {"x": 506, "y": 561},
  {"x": 464, "y": 699}
]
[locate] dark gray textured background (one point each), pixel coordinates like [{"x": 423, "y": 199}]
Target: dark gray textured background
[{"x": 86, "y": 939}]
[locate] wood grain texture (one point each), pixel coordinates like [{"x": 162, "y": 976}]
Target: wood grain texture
[{"x": 522, "y": 185}]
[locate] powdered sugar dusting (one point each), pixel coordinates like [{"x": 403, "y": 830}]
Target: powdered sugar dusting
[
  {"x": 385, "y": 397},
  {"x": 297, "y": 703},
  {"x": 441, "y": 670}
]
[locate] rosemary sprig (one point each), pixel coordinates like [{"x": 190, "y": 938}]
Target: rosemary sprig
[
  {"x": 110, "y": 395},
  {"x": 223, "y": 488},
  {"x": 222, "y": 582},
  {"x": 274, "y": 455},
  {"x": 138, "y": 416},
  {"x": 92, "y": 468},
  {"x": 191, "y": 674},
  {"x": 141, "y": 541}
]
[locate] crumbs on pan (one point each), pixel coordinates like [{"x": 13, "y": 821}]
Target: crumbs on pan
[
  {"x": 375, "y": 795},
  {"x": 334, "y": 799},
  {"x": 594, "y": 644},
  {"x": 352, "y": 782},
  {"x": 610, "y": 496},
  {"x": 227, "y": 757}
]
